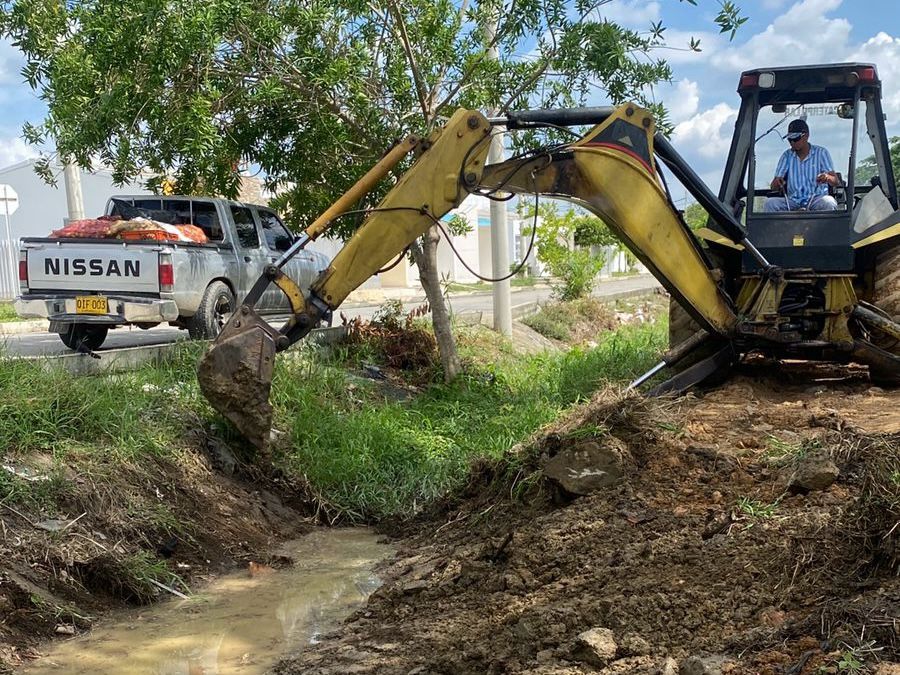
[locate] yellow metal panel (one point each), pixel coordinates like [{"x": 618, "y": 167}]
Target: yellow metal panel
[
  {"x": 892, "y": 231},
  {"x": 840, "y": 299},
  {"x": 431, "y": 186},
  {"x": 716, "y": 238}
]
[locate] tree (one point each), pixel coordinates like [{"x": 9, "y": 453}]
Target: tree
[
  {"x": 868, "y": 167},
  {"x": 557, "y": 240},
  {"x": 695, "y": 216},
  {"x": 309, "y": 91}
]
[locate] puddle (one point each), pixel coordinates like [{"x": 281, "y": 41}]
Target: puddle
[{"x": 237, "y": 625}]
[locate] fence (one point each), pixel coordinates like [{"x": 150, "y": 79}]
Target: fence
[{"x": 9, "y": 269}]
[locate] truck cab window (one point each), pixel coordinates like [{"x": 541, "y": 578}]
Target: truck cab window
[
  {"x": 277, "y": 236},
  {"x": 247, "y": 235}
]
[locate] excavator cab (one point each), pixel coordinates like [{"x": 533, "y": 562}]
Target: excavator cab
[{"x": 841, "y": 104}]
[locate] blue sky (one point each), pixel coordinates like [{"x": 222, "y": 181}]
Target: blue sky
[{"x": 702, "y": 98}]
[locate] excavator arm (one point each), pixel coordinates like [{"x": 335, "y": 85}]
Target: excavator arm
[{"x": 611, "y": 172}]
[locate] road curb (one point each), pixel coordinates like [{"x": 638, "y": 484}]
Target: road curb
[{"x": 128, "y": 358}]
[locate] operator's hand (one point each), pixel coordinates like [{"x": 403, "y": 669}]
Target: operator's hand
[
  {"x": 778, "y": 183},
  {"x": 828, "y": 177}
]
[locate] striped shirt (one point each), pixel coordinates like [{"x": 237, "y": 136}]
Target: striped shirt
[{"x": 801, "y": 174}]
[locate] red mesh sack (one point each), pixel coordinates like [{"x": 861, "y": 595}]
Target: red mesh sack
[{"x": 89, "y": 228}]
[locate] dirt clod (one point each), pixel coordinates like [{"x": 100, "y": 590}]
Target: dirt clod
[
  {"x": 814, "y": 472},
  {"x": 596, "y": 646},
  {"x": 587, "y": 466}
]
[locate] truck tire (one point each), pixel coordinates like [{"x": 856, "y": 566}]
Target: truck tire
[
  {"x": 681, "y": 324},
  {"x": 215, "y": 309},
  {"x": 91, "y": 336}
]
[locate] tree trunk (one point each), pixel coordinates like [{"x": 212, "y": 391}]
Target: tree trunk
[{"x": 425, "y": 254}]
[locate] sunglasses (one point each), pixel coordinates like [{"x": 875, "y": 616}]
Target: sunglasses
[{"x": 792, "y": 138}]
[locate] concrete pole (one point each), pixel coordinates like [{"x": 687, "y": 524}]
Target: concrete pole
[
  {"x": 74, "y": 198},
  {"x": 499, "y": 233}
]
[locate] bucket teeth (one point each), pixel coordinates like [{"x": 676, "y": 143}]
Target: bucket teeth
[{"x": 235, "y": 376}]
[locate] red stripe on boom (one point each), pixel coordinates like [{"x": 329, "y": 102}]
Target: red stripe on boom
[{"x": 625, "y": 150}]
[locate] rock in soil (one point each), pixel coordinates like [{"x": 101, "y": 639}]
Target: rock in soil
[
  {"x": 813, "y": 472},
  {"x": 596, "y": 646}
]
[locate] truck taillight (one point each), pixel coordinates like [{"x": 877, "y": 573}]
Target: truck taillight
[
  {"x": 23, "y": 271},
  {"x": 166, "y": 274}
]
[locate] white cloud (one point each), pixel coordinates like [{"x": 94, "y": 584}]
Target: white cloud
[
  {"x": 682, "y": 99},
  {"x": 704, "y": 134},
  {"x": 13, "y": 150},
  {"x": 631, "y": 13},
  {"x": 884, "y": 51},
  {"x": 802, "y": 35}
]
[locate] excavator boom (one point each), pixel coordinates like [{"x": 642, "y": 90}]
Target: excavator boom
[{"x": 612, "y": 171}]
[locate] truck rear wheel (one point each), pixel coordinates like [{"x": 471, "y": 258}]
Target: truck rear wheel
[
  {"x": 90, "y": 336},
  {"x": 215, "y": 309}
]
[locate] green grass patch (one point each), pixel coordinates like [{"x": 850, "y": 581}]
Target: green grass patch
[
  {"x": 7, "y": 313},
  {"x": 372, "y": 458},
  {"x": 129, "y": 414},
  {"x": 574, "y": 320}
]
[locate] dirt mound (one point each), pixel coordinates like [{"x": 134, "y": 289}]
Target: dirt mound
[
  {"x": 754, "y": 530},
  {"x": 121, "y": 533}
]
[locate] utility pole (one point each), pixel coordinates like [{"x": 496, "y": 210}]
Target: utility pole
[
  {"x": 74, "y": 198},
  {"x": 499, "y": 232}
]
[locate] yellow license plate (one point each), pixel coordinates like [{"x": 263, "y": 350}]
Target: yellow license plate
[{"x": 91, "y": 304}]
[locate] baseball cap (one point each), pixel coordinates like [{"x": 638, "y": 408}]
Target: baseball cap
[{"x": 796, "y": 129}]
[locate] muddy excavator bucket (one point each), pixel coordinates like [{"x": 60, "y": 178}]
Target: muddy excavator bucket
[{"x": 235, "y": 375}]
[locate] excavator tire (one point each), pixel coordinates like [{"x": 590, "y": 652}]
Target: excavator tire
[
  {"x": 886, "y": 297},
  {"x": 681, "y": 324},
  {"x": 887, "y": 282}
]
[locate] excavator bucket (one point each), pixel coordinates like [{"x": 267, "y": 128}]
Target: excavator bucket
[{"x": 235, "y": 375}]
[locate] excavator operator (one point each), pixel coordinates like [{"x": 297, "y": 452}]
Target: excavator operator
[{"x": 803, "y": 175}]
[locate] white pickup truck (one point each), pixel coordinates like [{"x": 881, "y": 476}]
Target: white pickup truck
[{"x": 87, "y": 286}]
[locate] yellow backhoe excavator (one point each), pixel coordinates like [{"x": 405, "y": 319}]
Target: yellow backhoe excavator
[{"x": 792, "y": 284}]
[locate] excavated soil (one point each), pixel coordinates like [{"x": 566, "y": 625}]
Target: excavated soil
[{"x": 723, "y": 548}]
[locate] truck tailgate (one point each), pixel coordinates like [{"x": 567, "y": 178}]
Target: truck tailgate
[{"x": 76, "y": 266}]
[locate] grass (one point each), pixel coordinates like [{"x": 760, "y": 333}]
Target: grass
[
  {"x": 7, "y": 313},
  {"x": 382, "y": 457},
  {"x": 781, "y": 452},
  {"x": 366, "y": 455},
  {"x": 756, "y": 509},
  {"x": 567, "y": 321},
  {"x": 482, "y": 286}
]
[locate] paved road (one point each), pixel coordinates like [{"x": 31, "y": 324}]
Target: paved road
[{"x": 49, "y": 344}]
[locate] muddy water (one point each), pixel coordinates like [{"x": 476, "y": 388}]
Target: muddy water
[{"x": 238, "y": 625}]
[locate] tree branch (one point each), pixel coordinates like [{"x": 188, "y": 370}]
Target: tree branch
[{"x": 411, "y": 59}]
